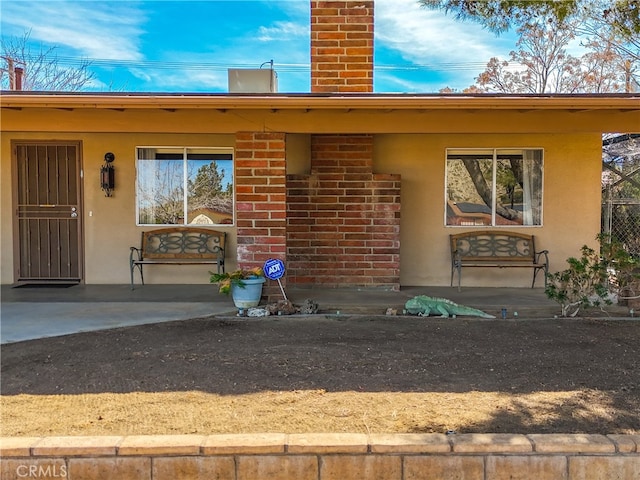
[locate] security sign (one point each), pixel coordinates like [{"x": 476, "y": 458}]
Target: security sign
[{"x": 273, "y": 269}]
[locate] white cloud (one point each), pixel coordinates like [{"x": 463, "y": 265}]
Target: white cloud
[
  {"x": 423, "y": 35},
  {"x": 187, "y": 81},
  {"x": 459, "y": 50},
  {"x": 106, "y": 30},
  {"x": 407, "y": 36},
  {"x": 282, "y": 31},
  {"x": 285, "y": 41},
  {"x": 396, "y": 83}
]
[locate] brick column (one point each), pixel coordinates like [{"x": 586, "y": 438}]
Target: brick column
[
  {"x": 342, "y": 46},
  {"x": 343, "y": 221},
  {"x": 260, "y": 179}
]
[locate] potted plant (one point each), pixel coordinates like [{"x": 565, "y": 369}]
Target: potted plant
[{"x": 245, "y": 285}]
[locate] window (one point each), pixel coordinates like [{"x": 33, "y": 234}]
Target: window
[
  {"x": 184, "y": 186},
  {"x": 494, "y": 187}
]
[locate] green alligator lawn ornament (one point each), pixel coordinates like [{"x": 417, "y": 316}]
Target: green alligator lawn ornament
[{"x": 424, "y": 306}]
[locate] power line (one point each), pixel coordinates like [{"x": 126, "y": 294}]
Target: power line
[{"x": 281, "y": 67}]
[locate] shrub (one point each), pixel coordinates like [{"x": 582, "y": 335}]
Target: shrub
[
  {"x": 594, "y": 278},
  {"x": 582, "y": 285}
]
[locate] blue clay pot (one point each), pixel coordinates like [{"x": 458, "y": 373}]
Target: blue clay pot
[{"x": 249, "y": 296}]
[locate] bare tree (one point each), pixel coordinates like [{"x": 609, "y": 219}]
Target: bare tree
[
  {"x": 42, "y": 69},
  {"x": 604, "y": 69},
  {"x": 162, "y": 195},
  {"x": 542, "y": 65},
  {"x": 610, "y": 29},
  {"x": 614, "y": 36}
]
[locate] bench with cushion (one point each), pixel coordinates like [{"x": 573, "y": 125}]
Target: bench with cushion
[
  {"x": 496, "y": 248},
  {"x": 178, "y": 246}
]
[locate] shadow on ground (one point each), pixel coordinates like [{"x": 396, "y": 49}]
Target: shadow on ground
[
  {"x": 229, "y": 356},
  {"x": 596, "y": 360}
]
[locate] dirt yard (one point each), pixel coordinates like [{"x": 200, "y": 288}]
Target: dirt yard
[{"x": 328, "y": 374}]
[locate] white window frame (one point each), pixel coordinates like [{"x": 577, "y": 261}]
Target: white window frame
[
  {"x": 185, "y": 151},
  {"x": 494, "y": 151}
]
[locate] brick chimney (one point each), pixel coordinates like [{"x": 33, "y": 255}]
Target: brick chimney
[
  {"x": 343, "y": 220},
  {"x": 19, "y": 76},
  {"x": 342, "y": 46}
]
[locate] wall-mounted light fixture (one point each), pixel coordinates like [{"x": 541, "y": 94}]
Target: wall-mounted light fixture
[{"x": 108, "y": 174}]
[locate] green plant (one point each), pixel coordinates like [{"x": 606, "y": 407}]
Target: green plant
[
  {"x": 594, "y": 278},
  {"x": 583, "y": 284},
  {"x": 225, "y": 280}
]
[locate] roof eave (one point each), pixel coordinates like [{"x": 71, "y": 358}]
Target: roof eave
[{"x": 320, "y": 102}]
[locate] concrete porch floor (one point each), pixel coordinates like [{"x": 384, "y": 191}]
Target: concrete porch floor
[{"x": 35, "y": 312}]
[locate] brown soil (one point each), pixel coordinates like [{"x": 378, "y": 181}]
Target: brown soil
[{"x": 328, "y": 374}]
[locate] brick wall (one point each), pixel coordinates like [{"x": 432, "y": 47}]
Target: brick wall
[
  {"x": 323, "y": 457},
  {"x": 342, "y": 46},
  {"x": 340, "y": 225},
  {"x": 343, "y": 221},
  {"x": 260, "y": 177}
]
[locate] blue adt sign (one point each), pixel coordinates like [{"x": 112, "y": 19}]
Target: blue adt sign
[{"x": 273, "y": 268}]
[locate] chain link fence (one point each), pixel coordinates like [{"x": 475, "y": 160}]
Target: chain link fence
[
  {"x": 621, "y": 207},
  {"x": 621, "y": 220},
  {"x": 621, "y": 189}
]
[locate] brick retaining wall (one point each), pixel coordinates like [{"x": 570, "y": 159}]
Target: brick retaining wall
[{"x": 323, "y": 457}]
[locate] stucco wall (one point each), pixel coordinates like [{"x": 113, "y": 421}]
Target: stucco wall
[
  {"x": 571, "y": 208},
  {"x": 109, "y": 223},
  {"x": 572, "y": 167}
]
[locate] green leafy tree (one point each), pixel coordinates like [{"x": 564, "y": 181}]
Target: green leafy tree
[
  {"x": 501, "y": 15},
  {"x": 207, "y": 182},
  {"x": 623, "y": 16},
  {"x": 207, "y": 189}
]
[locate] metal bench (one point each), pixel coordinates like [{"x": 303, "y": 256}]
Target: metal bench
[
  {"x": 496, "y": 248},
  {"x": 178, "y": 246}
]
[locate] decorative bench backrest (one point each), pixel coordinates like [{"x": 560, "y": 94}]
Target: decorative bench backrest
[
  {"x": 183, "y": 242},
  {"x": 490, "y": 246}
]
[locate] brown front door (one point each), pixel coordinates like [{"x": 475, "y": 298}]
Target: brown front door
[{"x": 48, "y": 212}]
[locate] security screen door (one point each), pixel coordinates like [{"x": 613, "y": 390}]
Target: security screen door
[{"x": 48, "y": 216}]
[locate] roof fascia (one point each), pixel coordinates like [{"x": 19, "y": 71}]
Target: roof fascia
[{"x": 314, "y": 102}]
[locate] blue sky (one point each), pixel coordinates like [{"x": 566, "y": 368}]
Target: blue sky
[{"x": 187, "y": 46}]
